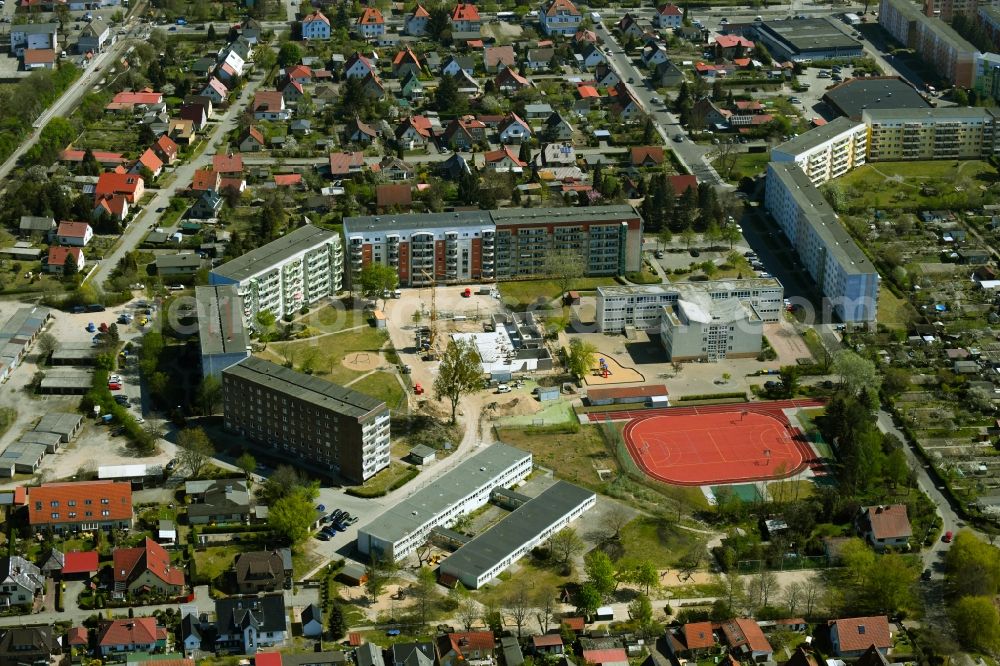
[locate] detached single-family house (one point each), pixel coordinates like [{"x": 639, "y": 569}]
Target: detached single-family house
[
  {"x": 21, "y": 582},
  {"x": 263, "y": 571},
  {"x": 504, "y": 159},
  {"x": 248, "y": 622},
  {"x": 130, "y": 186},
  {"x": 371, "y": 23},
  {"x": 508, "y": 80},
  {"x": 215, "y": 90},
  {"x": 495, "y": 57},
  {"x": 218, "y": 501},
  {"x": 94, "y": 36},
  {"x": 148, "y": 160},
  {"x": 465, "y": 18},
  {"x": 415, "y": 24},
  {"x": 311, "y": 619},
  {"x": 885, "y": 526},
  {"x": 76, "y": 234},
  {"x": 58, "y": 257},
  {"x": 167, "y": 149},
  {"x": 455, "y": 64},
  {"x": 668, "y": 16},
  {"x": 476, "y": 648},
  {"x": 851, "y": 637},
  {"x": 557, "y": 128},
  {"x": 513, "y": 129},
  {"x": 252, "y": 140},
  {"x": 559, "y": 17},
  {"x": 743, "y": 636},
  {"x": 36, "y": 644},
  {"x": 358, "y": 66},
  {"x": 593, "y": 56},
  {"x": 269, "y": 105},
  {"x": 145, "y": 570},
  {"x": 129, "y": 635},
  {"x": 315, "y": 26}
]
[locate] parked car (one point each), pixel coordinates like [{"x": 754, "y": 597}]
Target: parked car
[
  {"x": 503, "y": 388},
  {"x": 114, "y": 386},
  {"x": 658, "y": 254},
  {"x": 947, "y": 537},
  {"x": 91, "y": 328}
]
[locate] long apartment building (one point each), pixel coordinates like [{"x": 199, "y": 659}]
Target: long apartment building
[
  {"x": 642, "y": 306},
  {"x": 400, "y": 530},
  {"x": 950, "y": 133},
  {"x": 281, "y": 277},
  {"x": 953, "y": 57},
  {"x": 495, "y": 245},
  {"x": 846, "y": 277},
  {"x": 222, "y": 332},
  {"x": 321, "y": 426},
  {"x": 828, "y": 151}
]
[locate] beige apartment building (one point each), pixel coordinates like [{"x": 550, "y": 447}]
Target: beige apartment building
[{"x": 950, "y": 133}]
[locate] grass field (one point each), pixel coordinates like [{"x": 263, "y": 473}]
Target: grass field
[
  {"x": 382, "y": 482},
  {"x": 323, "y": 356},
  {"x": 657, "y": 540},
  {"x": 894, "y": 312},
  {"x": 576, "y": 456},
  {"x": 745, "y": 165},
  {"x": 214, "y": 561},
  {"x": 901, "y": 184},
  {"x": 525, "y": 292},
  {"x": 333, "y": 318},
  {"x": 381, "y": 385}
]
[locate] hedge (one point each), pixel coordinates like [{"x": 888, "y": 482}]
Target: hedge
[{"x": 713, "y": 396}]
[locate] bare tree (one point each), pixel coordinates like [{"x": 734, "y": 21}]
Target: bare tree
[
  {"x": 544, "y": 598},
  {"x": 564, "y": 544},
  {"x": 810, "y": 598},
  {"x": 726, "y": 155},
  {"x": 468, "y": 612},
  {"x": 616, "y": 519},
  {"x": 763, "y": 587},
  {"x": 734, "y": 590},
  {"x": 794, "y": 592},
  {"x": 424, "y": 553},
  {"x": 517, "y": 604}
]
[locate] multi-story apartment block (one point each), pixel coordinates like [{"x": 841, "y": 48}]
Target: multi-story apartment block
[
  {"x": 559, "y": 17},
  {"x": 222, "y": 330},
  {"x": 828, "y": 151},
  {"x": 495, "y": 245},
  {"x": 699, "y": 328},
  {"x": 949, "y": 133},
  {"x": 283, "y": 276},
  {"x": 989, "y": 18},
  {"x": 844, "y": 274},
  {"x": 400, "y": 530},
  {"x": 947, "y": 9},
  {"x": 320, "y": 425},
  {"x": 953, "y": 57},
  {"x": 642, "y": 306},
  {"x": 81, "y": 505},
  {"x": 988, "y": 75}
]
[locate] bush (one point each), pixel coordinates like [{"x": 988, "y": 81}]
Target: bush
[{"x": 713, "y": 396}]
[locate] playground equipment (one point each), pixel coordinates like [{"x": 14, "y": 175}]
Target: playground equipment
[{"x": 604, "y": 371}]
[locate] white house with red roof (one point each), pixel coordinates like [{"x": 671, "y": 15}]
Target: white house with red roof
[
  {"x": 509, "y": 80},
  {"x": 358, "y": 66},
  {"x": 413, "y": 132},
  {"x": 215, "y": 90},
  {"x": 167, "y": 149},
  {"x": 130, "y": 186},
  {"x": 851, "y": 637},
  {"x": 149, "y": 160},
  {"x": 475, "y": 648},
  {"x": 668, "y": 16},
  {"x": 301, "y": 74},
  {"x": 114, "y": 206},
  {"x": 505, "y": 159},
  {"x": 885, "y": 526},
  {"x": 145, "y": 570},
  {"x": 58, "y": 256},
  {"x": 513, "y": 129},
  {"x": 316, "y": 26},
  {"x": 74, "y": 234},
  {"x": 465, "y": 18},
  {"x": 371, "y": 23},
  {"x": 39, "y": 59},
  {"x": 128, "y": 635},
  {"x": 559, "y": 17},
  {"x": 744, "y": 637},
  {"x": 415, "y": 24},
  {"x": 269, "y": 105},
  {"x": 79, "y": 505}
]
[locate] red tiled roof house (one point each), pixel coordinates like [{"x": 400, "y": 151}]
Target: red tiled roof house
[
  {"x": 134, "y": 634},
  {"x": 81, "y": 505},
  {"x": 129, "y": 185},
  {"x": 851, "y": 637},
  {"x": 144, "y": 570},
  {"x": 58, "y": 256},
  {"x": 885, "y": 526},
  {"x": 74, "y": 234}
]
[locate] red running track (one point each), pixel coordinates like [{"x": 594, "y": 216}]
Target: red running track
[{"x": 695, "y": 446}]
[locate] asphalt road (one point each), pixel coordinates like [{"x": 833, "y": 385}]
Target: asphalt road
[{"x": 691, "y": 155}]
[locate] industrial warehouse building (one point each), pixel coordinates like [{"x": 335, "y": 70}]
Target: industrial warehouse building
[
  {"x": 503, "y": 244},
  {"x": 222, "y": 331},
  {"x": 325, "y": 427},
  {"x": 490, "y": 553},
  {"x": 807, "y": 39},
  {"x": 642, "y": 306},
  {"x": 404, "y": 527}
]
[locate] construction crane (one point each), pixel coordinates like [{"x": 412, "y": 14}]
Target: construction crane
[{"x": 432, "y": 334}]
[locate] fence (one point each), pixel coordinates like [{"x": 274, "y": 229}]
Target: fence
[{"x": 787, "y": 564}]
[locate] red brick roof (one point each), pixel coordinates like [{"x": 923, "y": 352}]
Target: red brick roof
[
  {"x": 342, "y": 163},
  {"x": 743, "y": 631},
  {"x": 682, "y": 183},
  {"x": 299, "y": 71},
  {"x": 76, "y": 561},
  {"x": 670, "y": 10},
  {"x": 131, "y": 631},
  {"x": 640, "y": 154},
  {"x": 698, "y": 635},
  {"x": 143, "y": 97},
  {"x": 131, "y": 562},
  {"x": 565, "y": 5},
  {"x": 888, "y": 522},
  {"x": 729, "y": 41},
  {"x": 39, "y": 56},
  {"x": 420, "y": 11},
  {"x": 371, "y": 16},
  {"x": 76, "y": 636},
  {"x": 610, "y": 655},
  {"x": 57, "y": 257},
  {"x": 316, "y": 16},
  {"x": 465, "y": 12},
  {"x": 232, "y": 163},
  {"x": 504, "y": 153},
  {"x": 112, "y": 496},
  {"x": 166, "y": 147},
  {"x": 472, "y": 641},
  {"x": 547, "y": 640},
  {"x": 393, "y": 195},
  {"x": 267, "y": 659},
  {"x": 117, "y": 183},
  {"x": 205, "y": 179},
  {"x": 267, "y": 100},
  {"x": 860, "y": 633},
  {"x": 256, "y": 134},
  {"x": 151, "y": 161},
  {"x": 287, "y": 179},
  {"x": 73, "y": 229},
  {"x": 104, "y": 157},
  {"x": 574, "y": 623}
]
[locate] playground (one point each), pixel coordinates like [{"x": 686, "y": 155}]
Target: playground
[
  {"x": 697, "y": 446},
  {"x": 610, "y": 371}
]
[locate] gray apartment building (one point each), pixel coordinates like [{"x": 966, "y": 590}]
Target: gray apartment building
[
  {"x": 324, "y": 427},
  {"x": 507, "y": 244},
  {"x": 222, "y": 331}
]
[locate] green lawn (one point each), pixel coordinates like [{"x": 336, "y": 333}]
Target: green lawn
[
  {"x": 744, "y": 165},
  {"x": 893, "y": 312},
  {"x": 214, "y": 561},
  {"x": 525, "y": 292},
  {"x": 657, "y": 540},
  {"x": 396, "y": 475},
  {"x": 901, "y": 184},
  {"x": 333, "y": 318},
  {"x": 575, "y": 456},
  {"x": 323, "y": 356},
  {"x": 381, "y": 385}
]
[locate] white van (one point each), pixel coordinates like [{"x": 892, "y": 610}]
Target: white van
[{"x": 503, "y": 388}]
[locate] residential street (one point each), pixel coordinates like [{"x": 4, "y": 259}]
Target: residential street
[{"x": 183, "y": 174}]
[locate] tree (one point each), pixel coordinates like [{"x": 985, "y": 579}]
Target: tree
[
  {"x": 856, "y": 373},
  {"x": 193, "y": 450},
  {"x": 891, "y": 585},
  {"x": 247, "y": 463},
  {"x": 564, "y": 545},
  {"x": 858, "y": 558},
  {"x": 210, "y": 395},
  {"x": 210, "y": 33},
  {"x": 446, "y": 97},
  {"x": 580, "y": 360},
  {"x": 565, "y": 267},
  {"x": 688, "y": 236},
  {"x": 292, "y": 516},
  {"x": 380, "y": 569},
  {"x": 665, "y": 237},
  {"x": 459, "y": 374},
  {"x": 789, "y": 375},
  {"x": 376, "y": 280},
  {"x": 616, "y": 519},
  {"x": 468, "y": 612},
  {"x": 588, "y": 599},
  {"x": 284, "y": 479},
  {"x": 600, "y": 572},
  {"x": 731, "y": 234},
  {"x": 289, "y": 54},
  {"x": 46, "y": 344},
  {"x": 977, "y": 623},
  {"x": 424, "y": 593},
  {"x": 646, "y": 575},
  {"x": 545, "y": 600},
  {"x": 641, "y": 612},
  {"x": 762, "y": 587},
  {"x": 517, "y": 603},
  {"x": 972, "y": 566},
  {"x": 70, "y": 267},
  {"x": 337, "y": 624}
]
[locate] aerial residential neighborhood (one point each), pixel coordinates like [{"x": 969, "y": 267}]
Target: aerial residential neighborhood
[{"x": 421, "y": 334}]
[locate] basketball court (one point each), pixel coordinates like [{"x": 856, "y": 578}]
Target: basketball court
[{"x": 690, "y": 447}]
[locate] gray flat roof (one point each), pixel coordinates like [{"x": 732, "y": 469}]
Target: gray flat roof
[
  {"x": 889, "y": 92},
  {"x": 516, "y": 529},
  {"x": 221, "y": 328},
  {"x": 678, "y": 287},
  {"x": 75, "y": 352},
  {"x": 821, "y": 217},
  {"x": 817, "y": 135},
  {"x": 319, "y": 392},
  {"x": 803, "y": 35},
  {"x": 454, "y": 486},
  {"x": 945, "y": 113},
  {"x": 510, "y": 216},
  {"x": 59, "y": 422},
  {"x": 359, "y": 225},
  {"x": 178, "y": 260},
  {"x": 273, "y": 253},
  {"x": 24, "y": 322}
]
